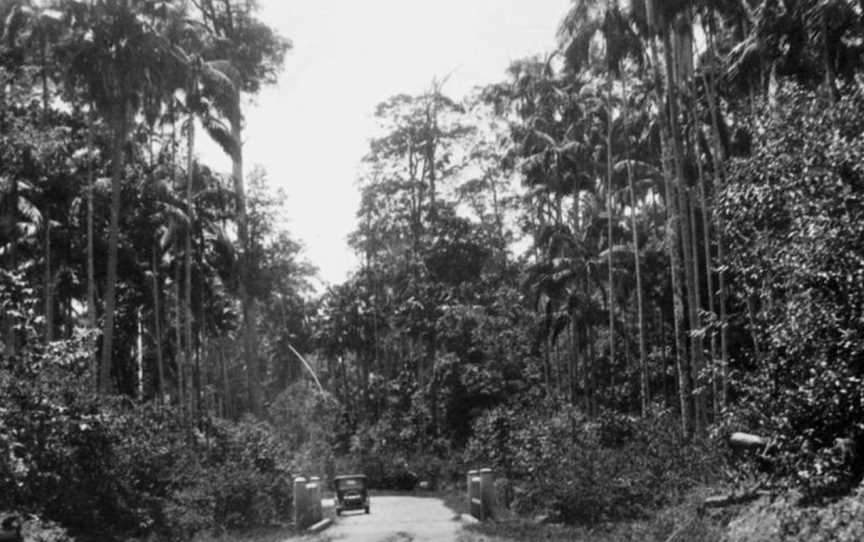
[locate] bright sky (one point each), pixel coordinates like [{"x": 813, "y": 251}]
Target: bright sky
[{"x": 311, "y": 130}]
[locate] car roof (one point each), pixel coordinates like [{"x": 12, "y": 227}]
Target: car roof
[{"x": 347, "y": 476}]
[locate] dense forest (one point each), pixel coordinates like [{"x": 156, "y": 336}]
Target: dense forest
[{"x": 585, "y": 276}]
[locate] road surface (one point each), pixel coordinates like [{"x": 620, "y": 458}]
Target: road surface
[{"x": 397, "y": 519}]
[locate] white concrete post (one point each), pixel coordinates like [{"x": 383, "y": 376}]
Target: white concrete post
[
  {"x": 475, "y": 503},
  {"x": 487, "y": 492},
  {"x": 315, "y": 497},
  {"x": 301, "y": 503}
]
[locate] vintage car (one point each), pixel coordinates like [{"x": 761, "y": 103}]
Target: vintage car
[{"x": 351, "y": 493}]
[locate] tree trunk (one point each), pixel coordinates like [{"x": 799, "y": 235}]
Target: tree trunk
[
  {"x": 226, "y": 389},
  {"x": 120, "y": 128},
  {"x": 157, "y": 327},
  {"x": 672, "y": 245},
  {"x": 709, "y": 282},
  {"x": 246, "y": 300},
  {"x": 91, "y": 266},
  {"x": 574, "y": 360},
  {"x": 830, "y": 86},
  {"x": 640, "y": 304},
  {"x": 179, "y": 351},
  {"x": 643, "y": 353},
  {"x": 696, "y": 342},
  {"x": 139, "y": 358},
  {"x": 718, "y": 160},
  {"x": 591, "y": 374},
  {"x": 724, "y": 332},
  {"x": 187, "y": 256},
  {"x": 609, "y": 224},
  {"x": 684, "y": 228},
  {"x": 203, "y": 344},
  {"x": 49, "y": 290}
]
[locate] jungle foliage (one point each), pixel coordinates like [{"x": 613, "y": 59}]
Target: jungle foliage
[{"x": 586, "y": 275}]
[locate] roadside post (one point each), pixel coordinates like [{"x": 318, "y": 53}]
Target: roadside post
[
  {"x": 301, "y": 503},
  {"x": 481, "y": 493},
  {"x": 307, "y": 501},
  {"x": 487, "y": 492},
  {"x": 314, "y": 487},
  {"x": 475, "y": 495}
]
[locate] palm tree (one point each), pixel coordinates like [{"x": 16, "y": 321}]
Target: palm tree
[
  {"x": 252, "y": 55},
  {"x": 605, "y": 19},
  {"x": 655, "y": 24},
  {"x": 16, "y": 18},
  {"x": 112, "y": 54}
]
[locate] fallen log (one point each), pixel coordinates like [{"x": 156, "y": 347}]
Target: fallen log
[
  {"x": 719, "y": 501},
  {"x": 747, "y": 441}
]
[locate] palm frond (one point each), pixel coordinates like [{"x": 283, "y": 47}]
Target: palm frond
[{"x": 221, "y": 134}]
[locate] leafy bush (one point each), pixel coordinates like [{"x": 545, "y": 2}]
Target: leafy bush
[
  {"x": 396, "y": 454},
  {"x": 307, "y": 421},
  {"x": 794, "y": 225},
  {"x": 786, "y": 518},
  {"x": 237, "y": 477},
  {"x": 587, "y": 470},
  {"x": 110, "y": 468}
]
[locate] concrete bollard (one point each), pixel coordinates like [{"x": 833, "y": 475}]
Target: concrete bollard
[
  {"x": 487, "y": 492},
  {"x": 301, "y": 503},
  {"x": 475, "y": 499},
  {"x": 314, "y": 487},
  {"x": 481, "y": 493}
]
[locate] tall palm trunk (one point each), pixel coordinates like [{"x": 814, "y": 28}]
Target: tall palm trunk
[
  {"x": 830, "y": 86},
  {"x": 643, "y": 352},
  {"x": 49, "y": 290},
  {"x": 179, "y": 355},
  {"x": 139, "y": 357},
  {"x": 718, "y": 163},
  {"x": 201, "y": 334},
  {"x": 724, "y": 331},
  {"x": 645, "y": 396},
  {"x": 246, "y": 300},
  {"x": 672, "y": 228},
  {"x": 431, "y": 144},
  {"x": 684, "y": 228},
  {"x": 573, "y": 364},
  {"x": 609, "y": 224},
  {"x": 706, "y": 245},
  {"x": 187, "y": 256},
  {"x": 178, "y": 311},
  {"x": 696, "y": 342},
  {"x": 120, "y": 123},
  {"x": 157, "y": 327},
  {"x": 91, "y": 266}
]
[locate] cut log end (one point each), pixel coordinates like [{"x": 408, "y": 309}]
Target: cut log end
[{"x": 747, "y": 441}]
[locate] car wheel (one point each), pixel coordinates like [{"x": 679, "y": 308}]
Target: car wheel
[
  {"x": 367, "y": 509},
  {"x": 338, "y": 512}
]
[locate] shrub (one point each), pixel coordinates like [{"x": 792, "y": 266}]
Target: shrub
[
  {"x": 110, "y": 468},
  {"x": 587, "y": 470},
  {"x": 793, "y": 215}
]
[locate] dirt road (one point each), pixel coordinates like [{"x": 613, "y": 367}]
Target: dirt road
[{"x": 397, "y": 519}]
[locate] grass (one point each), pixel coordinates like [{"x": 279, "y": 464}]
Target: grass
[{"x": 274, "y": 534}]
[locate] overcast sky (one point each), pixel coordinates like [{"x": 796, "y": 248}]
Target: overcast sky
[{"x": 310, "y": 131}]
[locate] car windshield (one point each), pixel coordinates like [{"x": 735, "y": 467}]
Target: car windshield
[{"x": 350, "y": 483}]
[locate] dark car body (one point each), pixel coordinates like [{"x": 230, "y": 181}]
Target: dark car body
[{"x": 352, "y": 493}]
